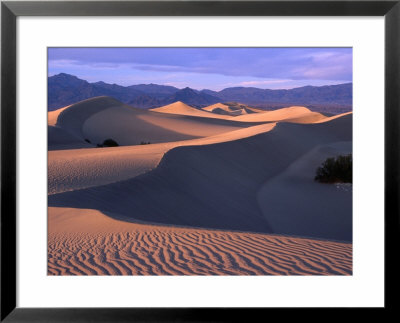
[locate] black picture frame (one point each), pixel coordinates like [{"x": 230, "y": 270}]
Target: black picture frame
[{"x": 10, "y": 10}]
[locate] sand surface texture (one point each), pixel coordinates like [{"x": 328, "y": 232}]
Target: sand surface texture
[
  {"x": 103, "y": 246},
  {"x": 209, "y": 195}
]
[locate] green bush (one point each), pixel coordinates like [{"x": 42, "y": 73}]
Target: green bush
[
  {"x": 110, "y": 143},
  {"x": 336, "y": 170}
]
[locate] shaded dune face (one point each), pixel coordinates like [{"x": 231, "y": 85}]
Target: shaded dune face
[
  {"x": 130, "y": 127},
  {"x": 73, "y": 117},
  {"x": 90, "y": 122},
  {"x": 107, "y": 165},
  {"x": 205, "y": 198},
  {"x": 312, "y": 209},
  {"x": 66, "y": 123},
  {"x": 63, "y": 139},
  {"x": 221, "y": 106},
  {"x": 181, "y": 108},
  {"x": 212, "y": 186},
  {"x": 229, "y": 113},
  {"x": 224, "y": 109}
]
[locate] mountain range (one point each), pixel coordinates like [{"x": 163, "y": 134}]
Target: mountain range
[{"x": 65, "y": 89}]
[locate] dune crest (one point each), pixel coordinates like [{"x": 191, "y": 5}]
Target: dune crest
[
  {"x": 52, "y": 116},
  {"x": 184, "y": 109},
  {"x": 205, "y": 197},
  {"x": 223, "y": 109},
  {"x": 66, "y": 123},
  {"x": 231, "y": 110},
  {"x": 334, "y": 117},
  {"x": 295, "y": 114},
  {"x": 216, "y": 185},
  {"x": 222, "y": 106},
  {"x": 90, "y": 122},
  {"x": 107, "y": 165}
]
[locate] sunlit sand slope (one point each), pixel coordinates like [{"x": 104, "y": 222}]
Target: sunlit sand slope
[
  {"x": 291, "y": 114},
  {"x": 86, "y": 242},
  {"x": 224, "y": 109},
  {"x": 222, "y": 106},
  {"x": 181, "y": 108},
  {"x": 90, "y": 122},
  {"x": 82, "y": 168},
  {"x": 129, "y": 126},
  {"x": 216, "y": 186}
]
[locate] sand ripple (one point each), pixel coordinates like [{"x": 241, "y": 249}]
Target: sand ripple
[{"x": 158, "y": 251}]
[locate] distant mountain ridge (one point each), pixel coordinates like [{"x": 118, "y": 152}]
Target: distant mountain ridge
[
  {"x": 65, "y": 89},
  {"x": 339, "y": 94}
]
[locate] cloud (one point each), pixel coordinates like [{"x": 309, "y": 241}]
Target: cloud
[
  {"x": 262, "y": 82},
  {"x": 279, "y": 63}
]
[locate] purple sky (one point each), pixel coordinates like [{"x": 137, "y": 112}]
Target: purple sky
[{"x": 206, "y": 68}]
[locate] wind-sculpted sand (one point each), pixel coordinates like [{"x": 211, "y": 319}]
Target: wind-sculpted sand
[
  {"x": 86, "y": 242},
  {"x": 82, "y": 168},
  {"x": 210, "y": 195},
  {"x": 216, "y": 185},
  {"x": 224, "y": 109},
  {"x": 181, "y": 108},
  {"x": 90, "y": 122},
  {"x": 291, "y": 114},
  {"x": 221, "y": 106}
]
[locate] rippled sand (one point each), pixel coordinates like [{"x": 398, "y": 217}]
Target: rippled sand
[
  {"x": 211, "y": 195},
  {"x": 104, "y": 246}
]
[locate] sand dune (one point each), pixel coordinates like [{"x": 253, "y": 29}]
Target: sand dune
[
  {"x": 107, "y": 165},
  {"x": 181, "y": 108},
  {"x": 100, "y": 118},
  {"x": 222, "y": 106},
  {"x": 52, "y": 116},
  {"x": 290, "y": 114},
  {"x": 309, "y": 210},
  {"x": 65, "y": 124},
  {"x": 130, "y": 127},
  {"x": 333, "y": 117},
  {"x": 254, "y": 110},
  {"x": 59, "y": 138},
  {"x": 213, "y": 186},
  {"x": 223, "y": 109},
  {"x": 73, "y": 117},
  {"x": 90, "y": 122},
  {"x": 225, "y": 195},
  {"x": 227, "y": 113},
  {"x": 86, "y": 242},
  {"x": 235, "y": 107}
]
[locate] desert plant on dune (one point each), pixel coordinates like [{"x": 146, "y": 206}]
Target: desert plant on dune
[
  {"x": 110, "y": 143},
  {"x": 336, "y": 170}
]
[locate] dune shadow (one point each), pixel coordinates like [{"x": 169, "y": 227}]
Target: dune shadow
[{"x": 212, "y": 186}]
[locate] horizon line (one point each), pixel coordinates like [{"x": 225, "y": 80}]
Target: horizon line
[{"x": 246, "y": 87}]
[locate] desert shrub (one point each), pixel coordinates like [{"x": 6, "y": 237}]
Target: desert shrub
[
  {"x": 145, "y": 143},
  {"x": 110, "y": 143},
  {"x": 336, "y": 170}
]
